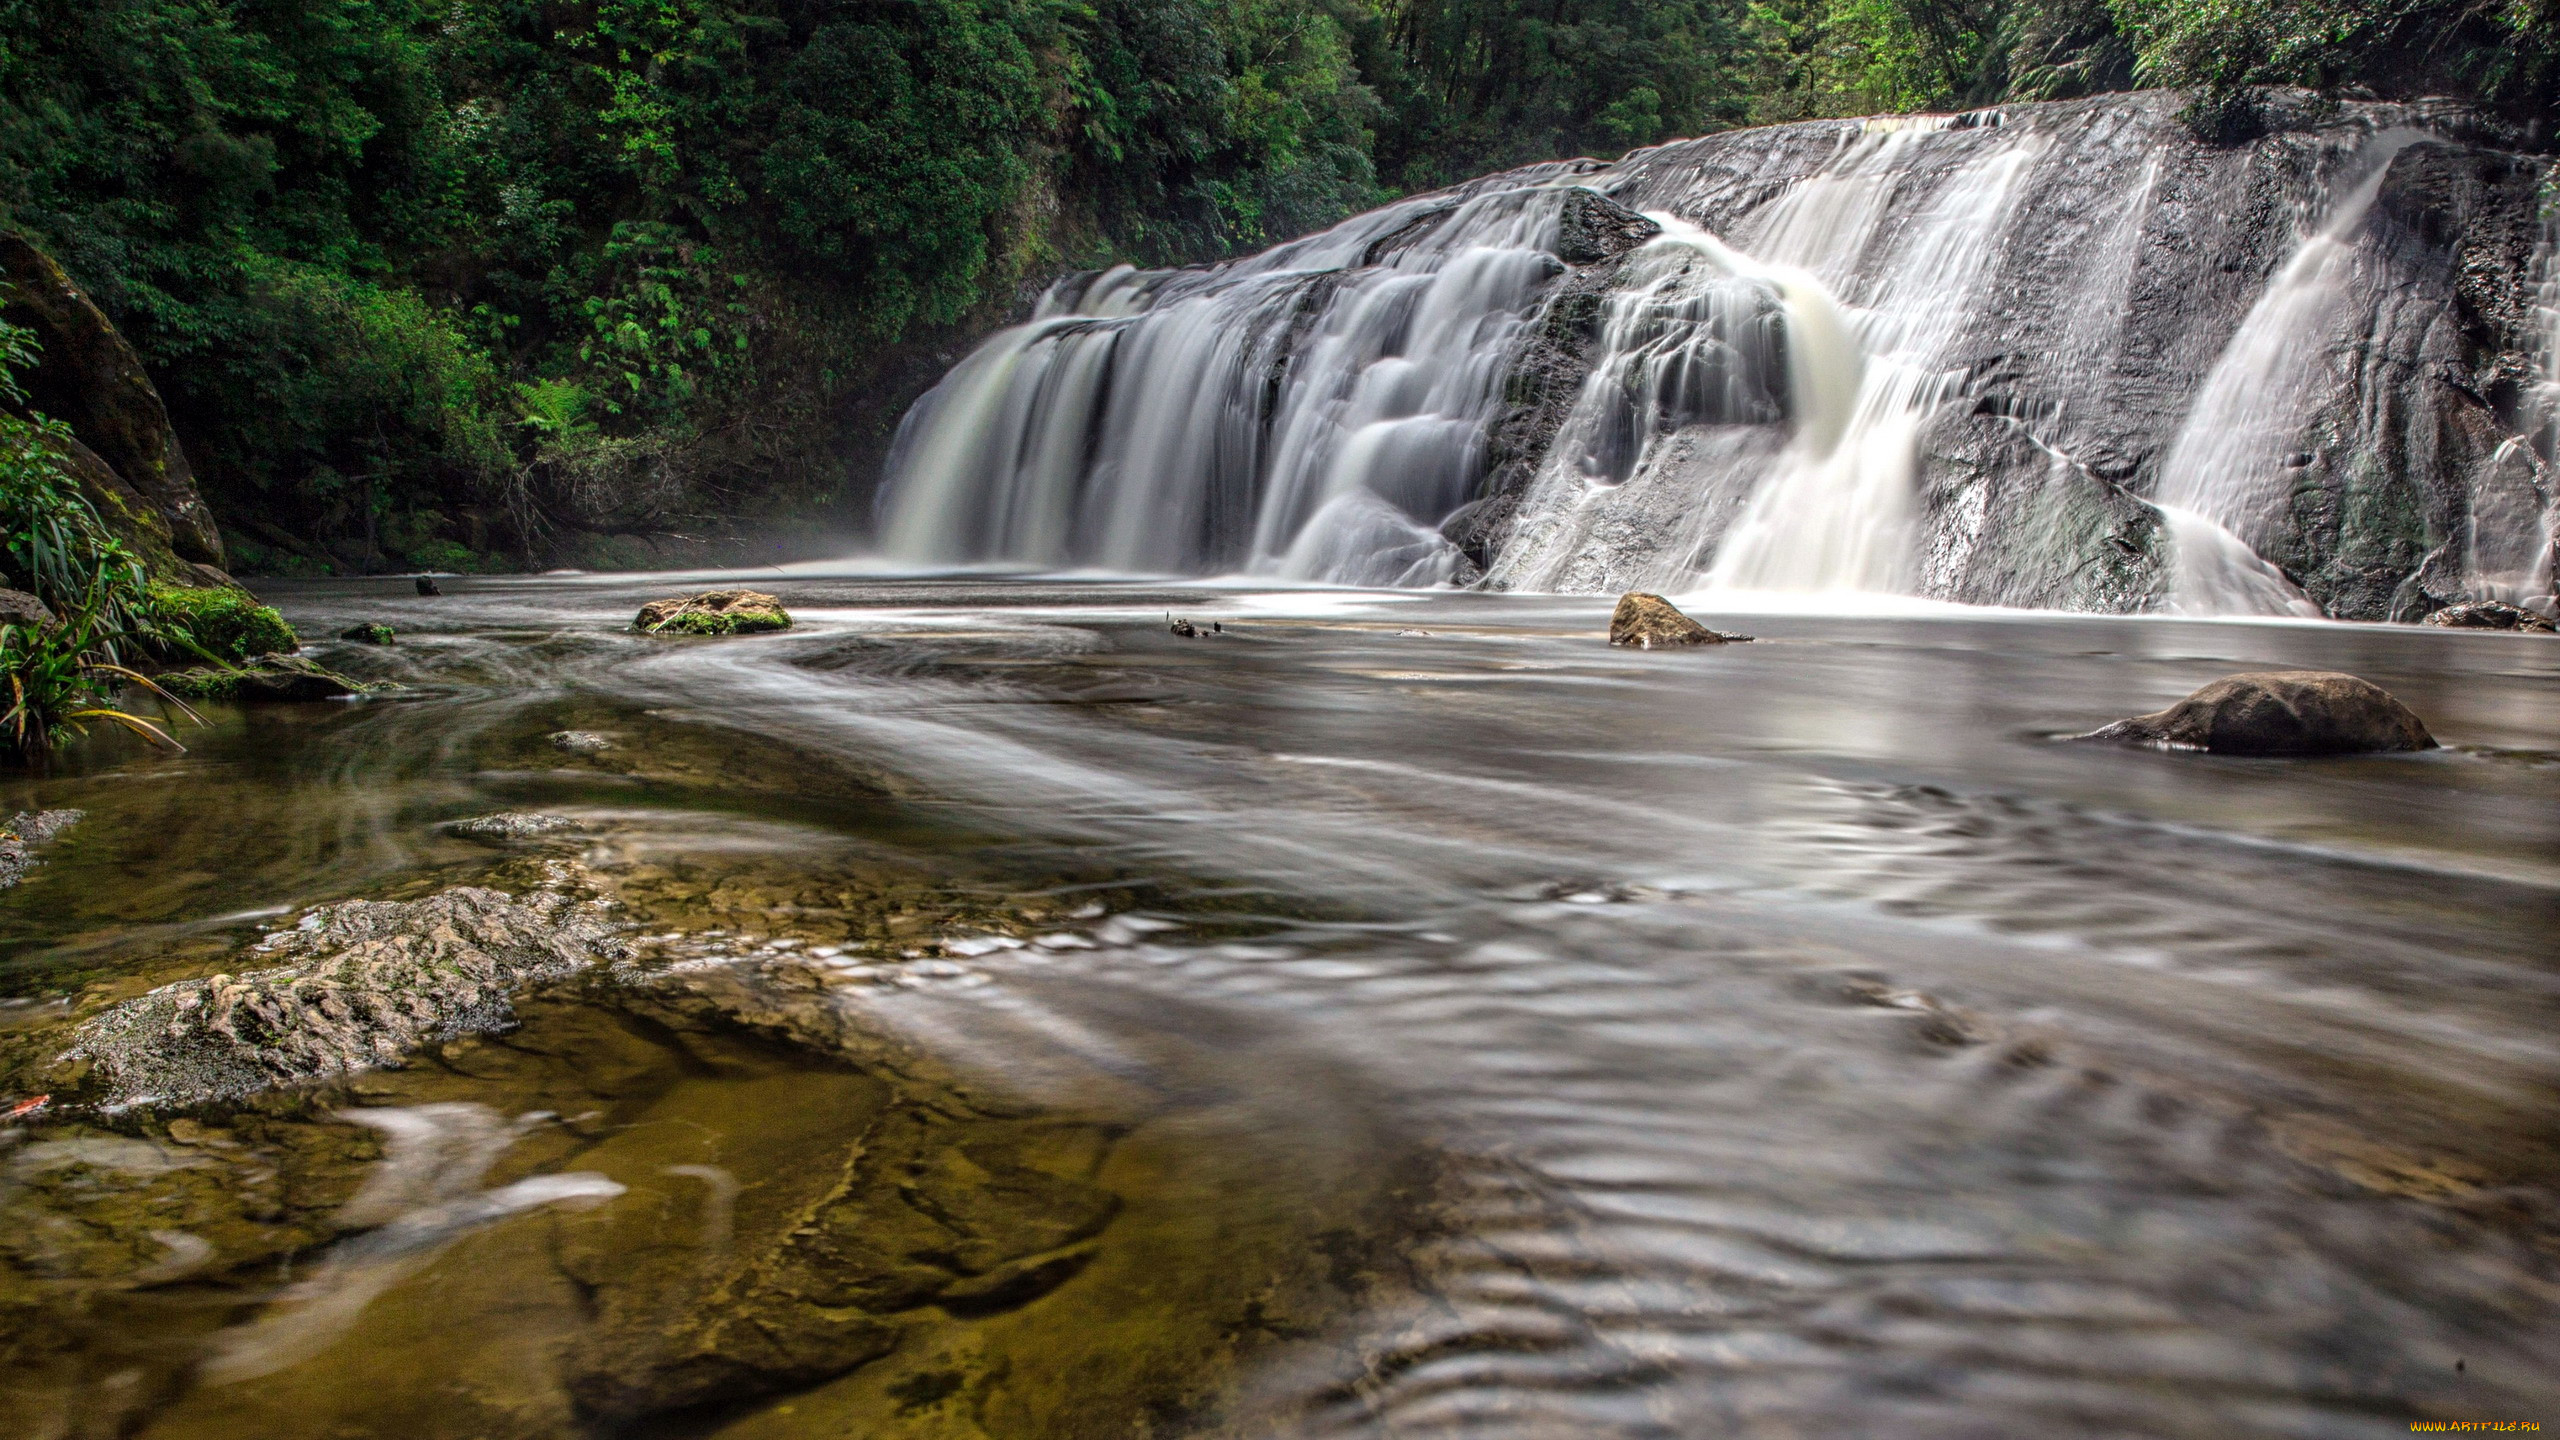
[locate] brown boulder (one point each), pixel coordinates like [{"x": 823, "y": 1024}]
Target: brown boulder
[
  {"x": 713, "y": 612},
  {"x": 2280, "y": 712},
  {"x": 1648, "y": 620},
  {"x": 2491, "y": 615},
  {"x": 91, "y": 380},
  {"x": 19, "y": 608}
]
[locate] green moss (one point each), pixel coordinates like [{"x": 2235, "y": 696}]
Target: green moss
[
  {"x": 229, "y": 623},
  {"x": 368, "y": 634},
  {"x": 738, "y": 622}
]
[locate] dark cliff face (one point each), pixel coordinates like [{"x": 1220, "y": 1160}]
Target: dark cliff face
[
  {"x": 2130, "y": 255},
  {"x": 123, "y": 453}
]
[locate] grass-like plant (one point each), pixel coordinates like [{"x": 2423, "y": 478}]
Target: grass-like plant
[{"x": 58, "y": 678}]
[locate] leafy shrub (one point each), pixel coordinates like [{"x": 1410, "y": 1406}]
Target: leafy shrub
[{"x": 55, "y": 678}]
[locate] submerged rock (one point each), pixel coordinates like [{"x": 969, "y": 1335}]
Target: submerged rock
[
  {"x": 1648, "y": 620},
  {"x": 2281, "y": 712},
  {"x": 2491, "y": 615},
  {"x": 713, "y": 612},
  {"x": 27, "y": 832},
  {"x": 272, "y": 678},
  {"x": 580, "y": 742},
  {"x": 510, "y": 825},
  {"x": 363, "y": 984}
]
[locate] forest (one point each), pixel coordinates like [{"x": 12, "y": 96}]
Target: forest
[{"x": 484, "y": 284}]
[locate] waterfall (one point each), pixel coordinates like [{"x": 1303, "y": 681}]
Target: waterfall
[
  {"x": 2514, "y": 527},
  {"x": 2224, "y": 471},
  {"x": 2058, "y": 355},
  {"x": 1310, "y": 413},
  {"x": 1837, "y": 512}
]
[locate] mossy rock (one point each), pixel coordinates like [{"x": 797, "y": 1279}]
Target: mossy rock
[
  {"x": 713, "y": 612},
  {"x": 276, "y": 677},
  {"x": 368, "y": 634},
  {"x": 741, "y": 622},
  {"x": 229, "y": 623}
]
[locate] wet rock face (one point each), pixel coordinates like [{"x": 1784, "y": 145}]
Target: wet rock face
[
  {"x": 362, "y": 984},
  {"x": 92, "y": 380},
  {"x": 2286, "y": 712},
  {"x": 1646, "y": 621},
  {"x": 2491, "y": 615},
  {"x": 26, "y": 833},
  {"x": 2132, "y": 254},
  {"x": 713, "y": 612}
]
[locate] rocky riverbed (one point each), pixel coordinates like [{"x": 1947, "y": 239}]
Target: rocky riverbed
[{"x": 979, "y": 1010}]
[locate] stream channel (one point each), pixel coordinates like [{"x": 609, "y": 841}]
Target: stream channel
[{"x": 1387, "y": 1014}]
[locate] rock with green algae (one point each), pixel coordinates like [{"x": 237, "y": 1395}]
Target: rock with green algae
[
  {"x": 363, "y": 983},
  {"x": 270, "y": 678},
  {"x": 368, "y": 634},
  {"x": 226, "y": 621},
  {"x": 713, "y": 612}
]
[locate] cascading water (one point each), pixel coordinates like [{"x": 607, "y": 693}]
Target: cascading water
[
  {"x": 1988, "y": 358},
  {"x": 1309, "y": 413},
  {"x": 2224, "y": 472}
]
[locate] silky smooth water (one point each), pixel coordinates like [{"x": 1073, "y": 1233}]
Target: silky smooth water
[{"x": 1788, "y": 1038}]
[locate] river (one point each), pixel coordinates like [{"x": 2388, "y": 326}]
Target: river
[{"x": 1447, "y": 1024}]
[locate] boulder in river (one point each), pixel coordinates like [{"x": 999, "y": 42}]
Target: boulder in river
[
  {"x": 2491, "y": 615},
  {"x": 26, "y": 833},
  {"x": 507, "y": 826},
  {"x": 2278, "y": 712},
  {"x": 369, "y": 633},
  {"x": 713, "y": 612},
  {"x": 361, "y": 984},
  {"x": 1646, "y": 621}
]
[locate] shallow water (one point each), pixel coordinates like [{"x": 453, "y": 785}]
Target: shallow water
[{"x": 1779, "y": 1039}]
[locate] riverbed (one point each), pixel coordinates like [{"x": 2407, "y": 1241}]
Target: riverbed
[{"x": 1383, "y": 1014}]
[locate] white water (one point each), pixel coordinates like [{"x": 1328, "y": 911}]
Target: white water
[
  {"x": 1760, "y": 404},
  {"x": 1309, "y": 413},
  {"x": 2225, "y": 470},
  {"x": 2515, "y": 507}
]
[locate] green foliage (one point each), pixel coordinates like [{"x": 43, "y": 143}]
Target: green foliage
[
  {"x": 228, "y": 624},
  {"x": 55, "y": 678},
  {"x": 2506, "y": 55},
  {"x": 426, "y": 282}
]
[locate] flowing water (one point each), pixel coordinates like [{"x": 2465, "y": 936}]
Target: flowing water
[
  {"x": 1386, "y": 1014},
  {"x": 2054, "y": 356}
]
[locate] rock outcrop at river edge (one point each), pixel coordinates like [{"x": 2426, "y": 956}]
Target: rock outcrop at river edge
[{"x": 123, "y": 453}]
